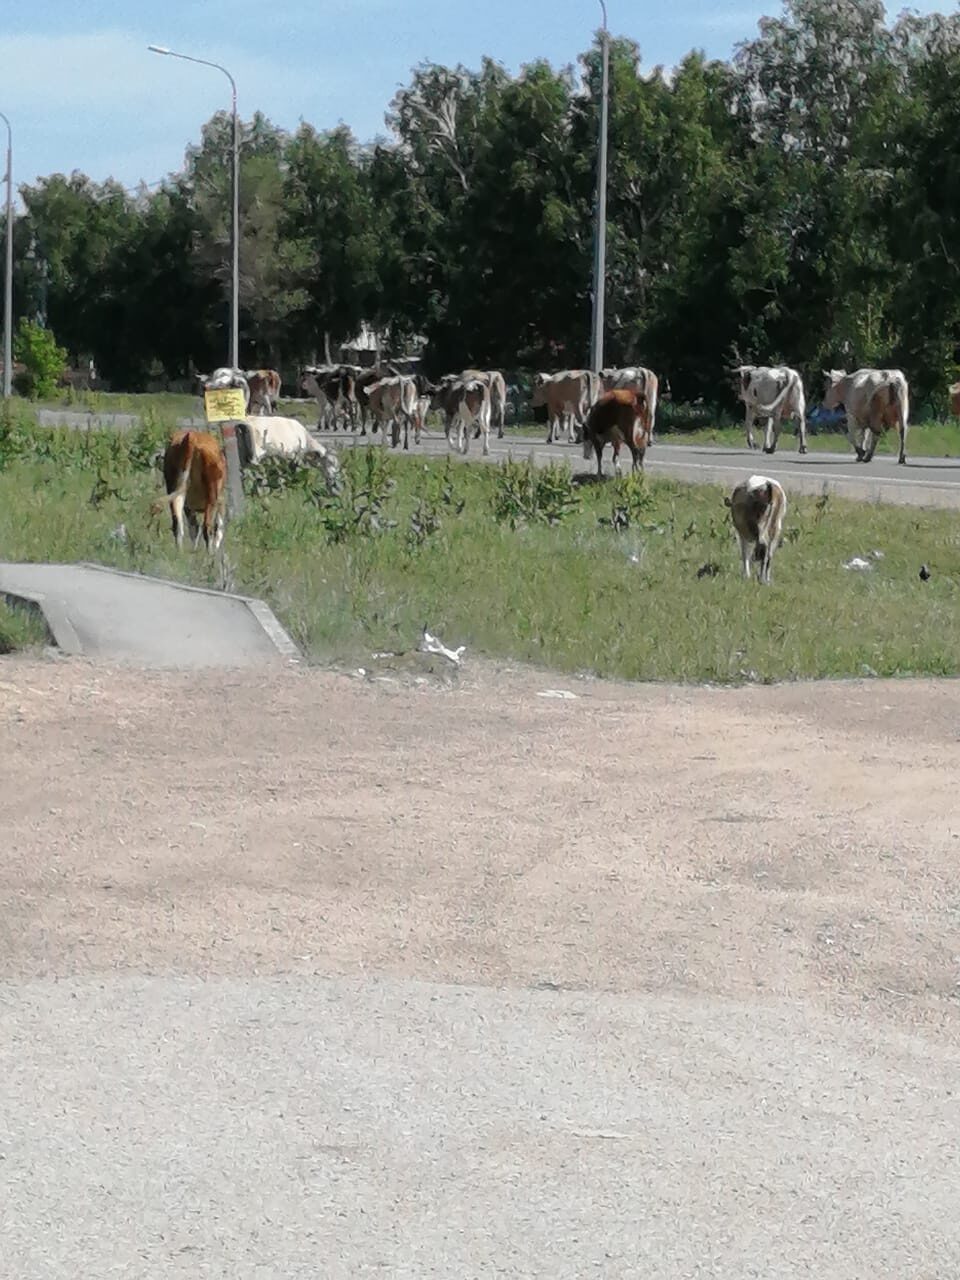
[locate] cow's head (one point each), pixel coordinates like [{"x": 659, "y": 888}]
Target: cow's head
[{"x": 833, "y": 395}]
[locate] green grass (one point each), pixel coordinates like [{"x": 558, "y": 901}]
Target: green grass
[
  {"x": 576, "y": 596},
  {"x": 21, "y": 627}
]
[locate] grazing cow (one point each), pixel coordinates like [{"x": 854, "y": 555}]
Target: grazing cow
[
  {"x": 264, "y": 386},
  {"x": 873, "y": 400},
  {"x": 285, "y": 436},
  {"x": 567, "y": 395},
  {"x": 955, "y": 399},
  {"x": 619, "y": 417},
  {"x": 465, "y": 402},
  {"x": 194, "y": 474},
  {"x": 636, "y": 378},
  {"x": 773, "y": 392},
  {"x": 758, "y": 506},
  {"x": 394, "y": 400}
]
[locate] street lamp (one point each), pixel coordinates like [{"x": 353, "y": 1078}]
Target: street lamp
[
  {"x": 235, "y": 226},
  {"x": 600, "y": 232},
  {"x": 8, "y": 279}
]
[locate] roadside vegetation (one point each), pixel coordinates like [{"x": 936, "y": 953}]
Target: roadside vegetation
[{"x": 634, "y": 578}]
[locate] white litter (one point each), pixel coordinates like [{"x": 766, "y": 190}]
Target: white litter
[
  {"x": 858, "y": 563},
  {"x": 876, "y": 555},
  {"x": 556, "y": 693},
  {"x": 430, "y": 644}
]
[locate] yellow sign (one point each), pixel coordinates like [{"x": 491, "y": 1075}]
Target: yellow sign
[{"x": 222, "y": 405}]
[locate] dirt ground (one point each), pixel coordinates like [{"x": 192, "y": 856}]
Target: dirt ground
[{"x": 797, "y": 841}]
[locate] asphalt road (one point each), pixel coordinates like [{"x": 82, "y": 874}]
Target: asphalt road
[
  {"x": 924, "y": 482},
  {"x": 298, "y": 1127}
]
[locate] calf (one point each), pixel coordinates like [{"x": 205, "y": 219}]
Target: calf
[
  {"x": 619, "y": 417},
  {"x": 758, "y": 506},
  {"x": 194, "y": 474}
]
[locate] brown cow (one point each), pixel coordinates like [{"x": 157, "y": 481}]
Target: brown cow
[
  {"x": 758, "y": 506},
  {"x": 194, "y": 474},
  {"x": 264, "y": 386},
  {"x": 619, "y": 417},
  {"x": 567, "y": 396}
]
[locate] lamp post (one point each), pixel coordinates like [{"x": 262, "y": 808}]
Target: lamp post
[
  {"x": 600, "y": 232},
  {"x": 8, "y": 278},
  {"x": 235, "y": 225}
]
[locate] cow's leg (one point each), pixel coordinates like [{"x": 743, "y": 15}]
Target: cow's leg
[
  {"x": 802, "y": 430},
  {"x": 868, "y": 445},
  {"x": 550, "y": 422},
  {"x": 485, "y": 428},
  {"x": 855, "y": 436},
  {"x": 751, "y": 443},
  {"x": 463, "y": 437},
  {"x": 176, "y": 519},
  {"x": 616, "y": 456},
  {"x": 770, "y": 434},
  {"x": 745, "y": 555},
  {"x": 598, "y": 448},
  {"x": 765, "y": 560},
  {"x": 193, "y": 527},
  {"x": 903, "y": 444},
  {"x": 501, "y": 420}
]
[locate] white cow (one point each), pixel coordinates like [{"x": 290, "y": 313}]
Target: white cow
[
  {"x": 873, "y": 399},
  {"x": 773, "y": 392},
  {"x": 287, "y": 438}
]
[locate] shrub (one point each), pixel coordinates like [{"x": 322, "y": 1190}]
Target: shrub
[
  {"x": 527, "y": 494},
  {"x": 37, "y": 349}
]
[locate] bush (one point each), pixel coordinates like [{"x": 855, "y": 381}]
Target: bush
[
  {"x": 37, "y": 348},
  {"x": 524, "y": 494}
]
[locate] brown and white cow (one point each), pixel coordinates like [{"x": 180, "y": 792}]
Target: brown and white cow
[
  {"x": 498, "y": 395},
  {"x": 758, "y": 506},
  {"x": 264, "y": 390},
  {"x": 194, "y": 475},
  {"x": 465, "y": 403},
  {"x": 568, "y": 396},
  {"x": 393, "y": 400},
  {"x": 635, "y": 378},
  {"x": 618, "y": 418},
  {"x": 873, "y": 399},
  {"x": 774, "y": 393}
]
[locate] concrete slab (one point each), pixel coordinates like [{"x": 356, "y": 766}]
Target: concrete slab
[{"x": 150, "y": 622}]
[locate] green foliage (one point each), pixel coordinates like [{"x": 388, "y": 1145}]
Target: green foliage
[
  {"x": 36, "y": 348},
  {"x": 630, "y": 500},
  {"x": 525, "y": 494},
  {"x": 21, "y": 627}
]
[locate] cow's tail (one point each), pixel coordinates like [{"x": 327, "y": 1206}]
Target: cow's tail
[
  {"x": 900, "y": 396},
  {"x": 768, "y": 410},
  {"x": 772, "y": 502}
]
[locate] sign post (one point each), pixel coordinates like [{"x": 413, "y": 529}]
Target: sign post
[{"x": 225, "y": 406}]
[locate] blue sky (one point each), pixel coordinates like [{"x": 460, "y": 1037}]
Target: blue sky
[{"x": 82, "y": 92}]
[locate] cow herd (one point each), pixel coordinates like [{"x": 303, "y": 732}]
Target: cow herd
[{"x": 616, "y": 407}]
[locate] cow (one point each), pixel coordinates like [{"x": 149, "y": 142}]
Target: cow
[
  {"x": 465, "y": 403},
  {"x": 873, "y": 399},
  {"x": 498, "y": 396},
  {"x": 287, "y": 438},
  {"x": 758, "y": 506},
  {"x": 394, "y": 399},
  {"x": 619, "y": 417},
  {"x": 194, "y": 475},
  {"x": 567, "y": 395},
  {"x": 635, "y": 378},
  {"x": 773, "y": 392},
  {"x": 334, "y": 389},
  {"x": 955, "y": 399},
  {"x": 264, "y": 388}
]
